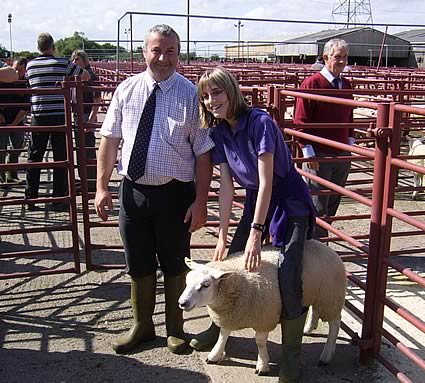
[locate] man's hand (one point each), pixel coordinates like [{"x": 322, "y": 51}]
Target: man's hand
[
  {"x": 197, "y": 214},
  {"x": 103, "y": 198}
]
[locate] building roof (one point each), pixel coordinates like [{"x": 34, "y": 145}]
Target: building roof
[
  {"x": 326, "y": 34},
  {"x": 414, "y": 35}
]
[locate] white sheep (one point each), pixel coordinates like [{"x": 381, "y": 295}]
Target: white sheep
[
  {"x": 417, "y": 148},
  {"x": 238, "y": 299}
]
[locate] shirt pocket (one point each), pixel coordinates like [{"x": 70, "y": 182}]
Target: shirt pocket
[{"x": 176, "y": 132}]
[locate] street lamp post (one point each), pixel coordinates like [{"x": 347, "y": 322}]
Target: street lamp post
[
  {"x": 370, "y": 56},
  {"x": 127, "y": 32},
  {"x": 9, "y": 20},
  {"x": 239, "y": 25}
]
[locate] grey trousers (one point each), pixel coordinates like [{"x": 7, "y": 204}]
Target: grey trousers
[{"x": 326, "y": 205}]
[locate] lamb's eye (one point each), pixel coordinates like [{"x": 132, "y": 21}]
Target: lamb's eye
[{"x": 205, "y": 285}]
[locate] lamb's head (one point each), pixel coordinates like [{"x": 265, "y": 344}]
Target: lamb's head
[{"x": 201, "y": 285}]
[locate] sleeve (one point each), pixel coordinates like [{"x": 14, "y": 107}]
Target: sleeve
[
  {"x": 199, "y": 137},
  {"x": 111, "y": 126},
  {"x": 304, "y": 112},
  {"x": 303, "y": 107},
  {"x": 95, "y": 77},
  {"x": 264, "y": 132},
  {"x": 351, "y": 130},
  {"x": 218, "y": 155}
]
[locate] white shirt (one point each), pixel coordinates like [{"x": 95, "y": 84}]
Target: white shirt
[{"x": 177, "y": 138}]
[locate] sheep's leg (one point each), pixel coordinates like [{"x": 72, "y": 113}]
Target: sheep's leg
[
  {"x": 312, "y": 321},
  {"x": 263, "y": 360},
  {"x": 329, "y": 349},
  {"x": 217, "y": 354},
  {"x": 417, "y": 180}
]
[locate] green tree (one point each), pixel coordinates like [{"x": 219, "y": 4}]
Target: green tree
[
  {"x": 65, "y": 47},
  {"x": 4, "y": 53},
  {"x": 79, "y": 40},
  {"x": 27, "y": 54}
]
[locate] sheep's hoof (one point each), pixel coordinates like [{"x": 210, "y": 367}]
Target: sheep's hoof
[
  {"x": 262, "y": 373},
  {"x": 323, "y": 363},
  {"x": 218, "y": 361}
]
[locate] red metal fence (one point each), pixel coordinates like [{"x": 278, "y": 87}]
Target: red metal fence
[{"x": 380, "y": 132}]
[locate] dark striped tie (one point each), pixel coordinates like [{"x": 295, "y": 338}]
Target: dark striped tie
[
  {"x": 335, "y": 82},
  {"x": 139, "y": 153}
]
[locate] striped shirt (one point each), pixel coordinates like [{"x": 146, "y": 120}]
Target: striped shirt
[
  {"x": 176, "y": 139},
  {"x": 44, "y": 72}
]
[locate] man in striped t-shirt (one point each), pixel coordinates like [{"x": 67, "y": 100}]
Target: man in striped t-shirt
[{"x": 48, "y": 110}]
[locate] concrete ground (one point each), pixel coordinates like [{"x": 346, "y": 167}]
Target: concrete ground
[{"x": 59, "y": 328}]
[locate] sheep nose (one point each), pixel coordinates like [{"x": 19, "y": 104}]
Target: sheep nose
[{"x": 182, "y": 304}]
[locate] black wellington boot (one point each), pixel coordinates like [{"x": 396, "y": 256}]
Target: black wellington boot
[{"x": 290, "y": 360}]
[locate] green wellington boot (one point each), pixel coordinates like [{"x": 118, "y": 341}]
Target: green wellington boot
[
  {"x": 143, "y": 291},
  {"x": 206, "y": 339},
  {"x": 173, "y": 288},
  {"x": 290, "y": 360}
]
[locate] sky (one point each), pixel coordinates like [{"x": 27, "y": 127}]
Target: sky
[{"x": 98, "y": 19}]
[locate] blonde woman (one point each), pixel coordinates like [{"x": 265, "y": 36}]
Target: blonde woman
[{"x": 250, "y": 150}]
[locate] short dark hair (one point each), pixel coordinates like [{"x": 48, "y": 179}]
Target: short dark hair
[
  {"x": 164, "y": 30},
  {"x": 45, "y": 42}
]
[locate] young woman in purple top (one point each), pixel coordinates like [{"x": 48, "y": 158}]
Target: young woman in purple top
[{"x": 251, "y": 150}]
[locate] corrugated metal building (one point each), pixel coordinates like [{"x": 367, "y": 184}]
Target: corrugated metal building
[
  {"x": 364, "y": 42},
  {"x": 365, "y": 46},
  {"x": 416, "y": 38}
]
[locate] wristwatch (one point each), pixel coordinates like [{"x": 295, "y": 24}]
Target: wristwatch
[{"x": 258, "y": 226}]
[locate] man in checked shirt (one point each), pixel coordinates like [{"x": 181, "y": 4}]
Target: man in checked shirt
[{"x": 159, "y": 210}]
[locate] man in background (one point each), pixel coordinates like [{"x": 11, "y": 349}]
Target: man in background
[
  {"x": 48, "y": 110},
  {"x": 335, "y": 54}
]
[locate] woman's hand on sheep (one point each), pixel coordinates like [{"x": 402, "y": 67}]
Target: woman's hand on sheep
[
  {"x": 253, "y": 251},
  {"x": 220, "y": 250}
]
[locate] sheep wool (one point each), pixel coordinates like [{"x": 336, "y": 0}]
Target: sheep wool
[
  {"x": 247, "y": 299},
  {"x": 252, "y": 299}
]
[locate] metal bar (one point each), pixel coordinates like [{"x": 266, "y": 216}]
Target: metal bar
[{"x": 370, "y": 324}]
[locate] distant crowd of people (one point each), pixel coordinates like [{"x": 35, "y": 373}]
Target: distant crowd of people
[{"x": 167, "y": 134}]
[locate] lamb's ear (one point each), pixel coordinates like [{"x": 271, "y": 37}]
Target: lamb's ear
[
  {"x": 192, "y": 265},
  {"x": 219, "y": 274}
]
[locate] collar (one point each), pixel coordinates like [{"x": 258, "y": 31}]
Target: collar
[
  {"x": 328, "y": 75},
  {"x": 224, "y": 128},
  {"x": 163, "y": 85}
]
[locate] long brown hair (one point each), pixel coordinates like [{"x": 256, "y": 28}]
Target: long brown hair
[{"x": 223, "y": 79}]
